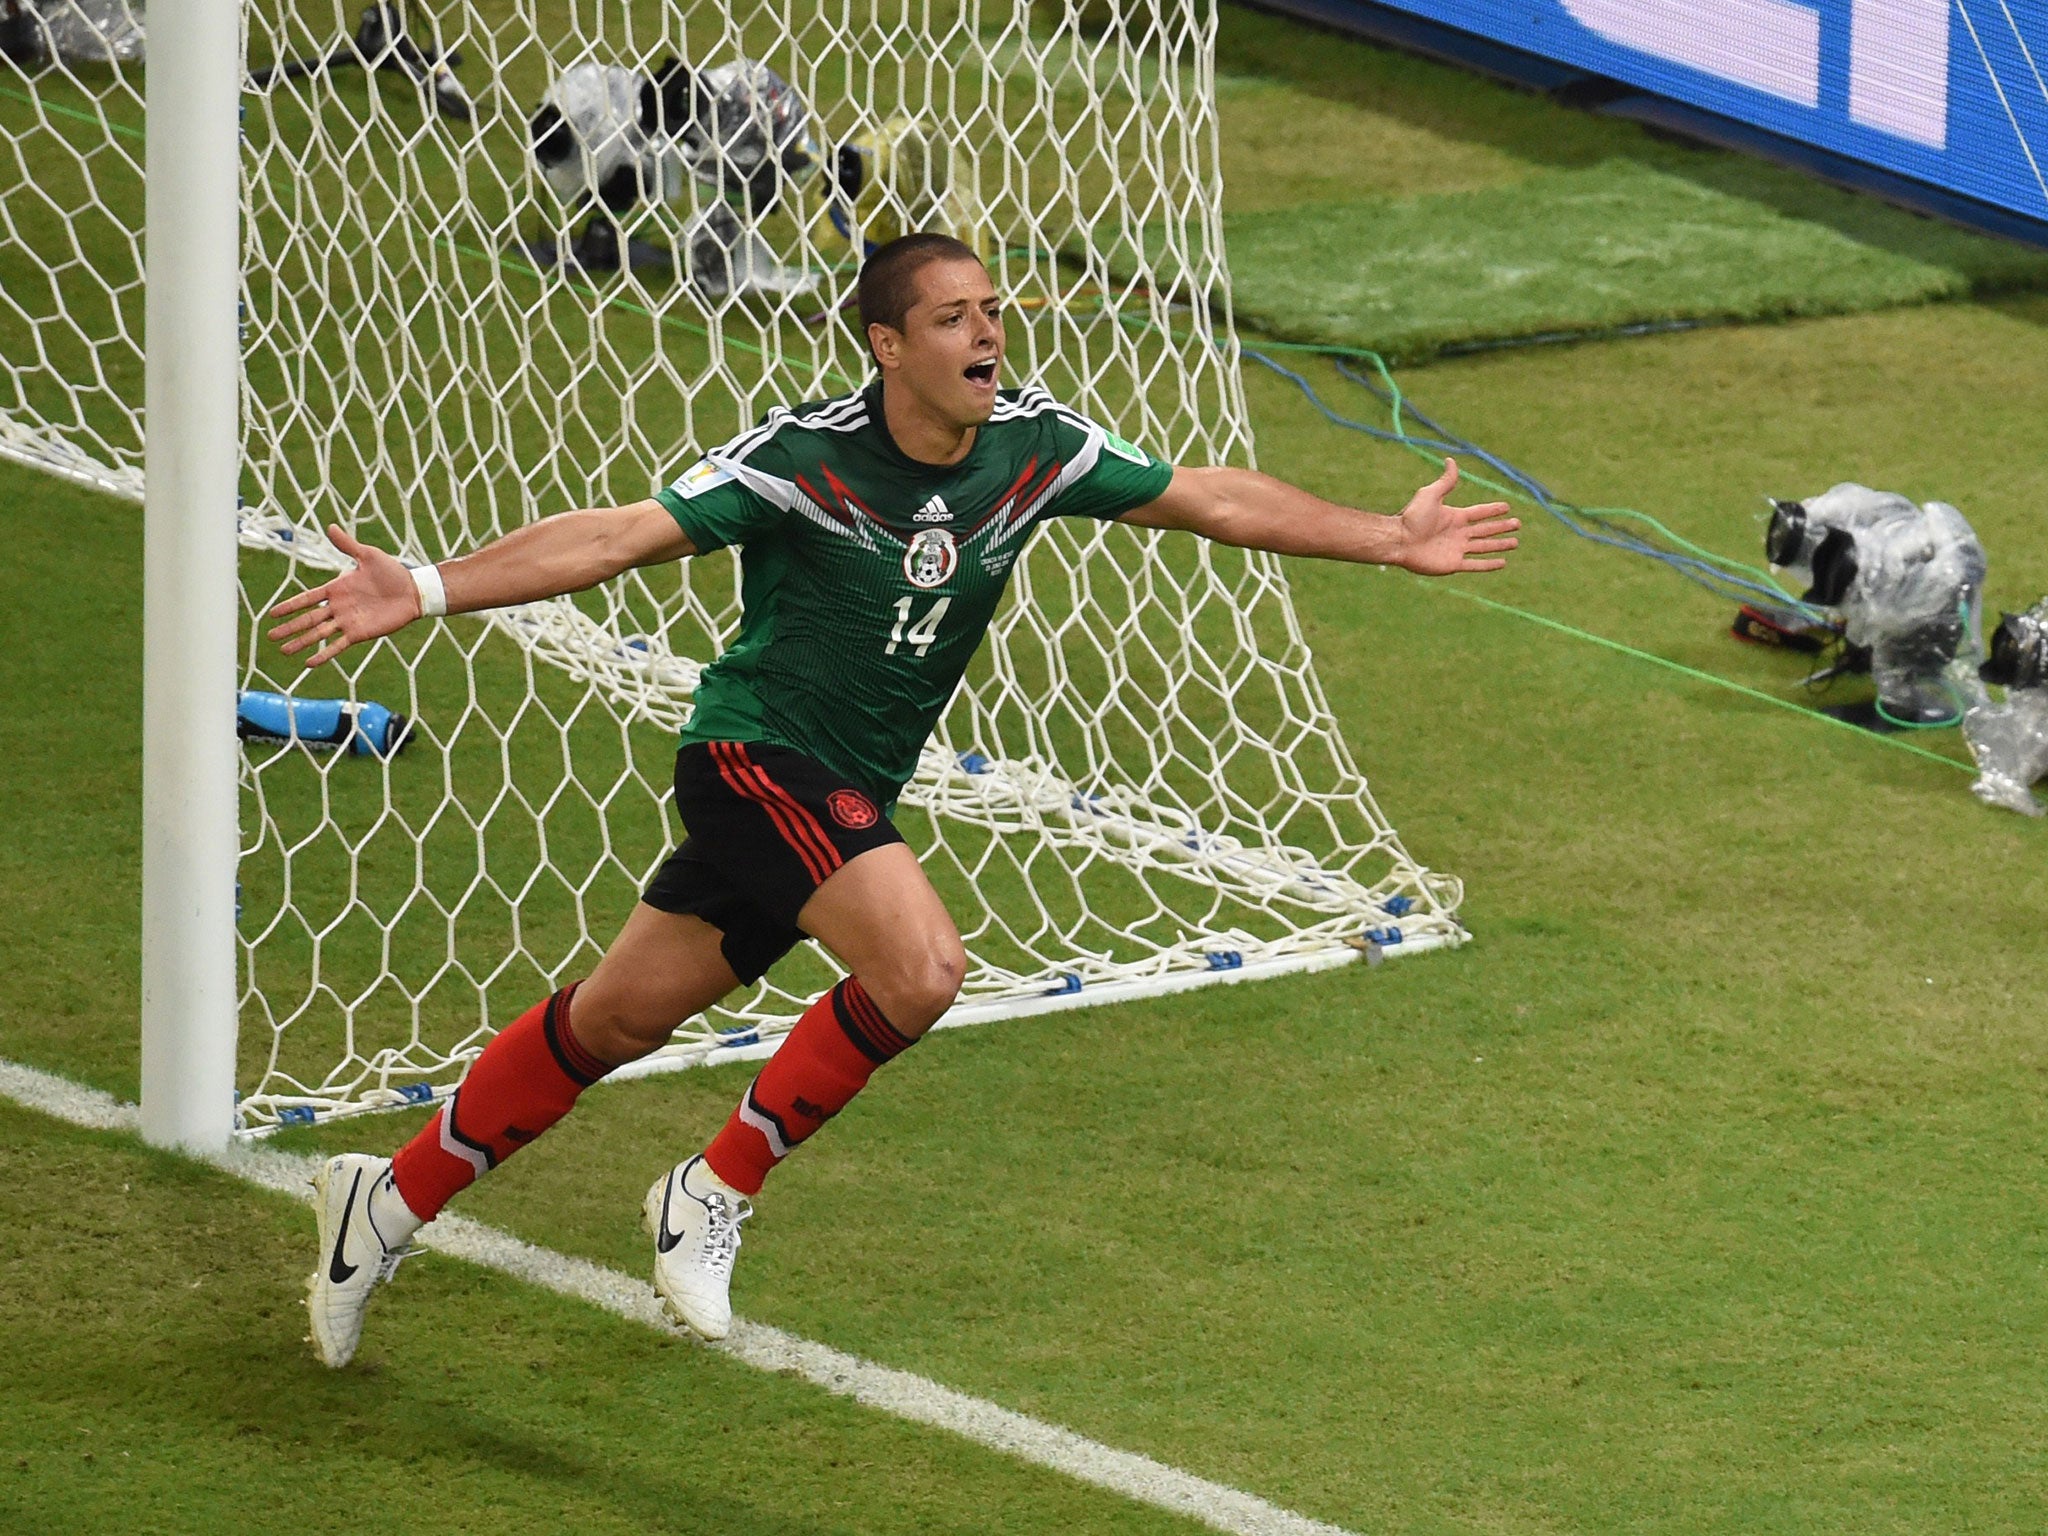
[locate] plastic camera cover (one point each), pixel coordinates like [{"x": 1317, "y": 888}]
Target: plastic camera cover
[
  {"x": 89, "y": 31},
  {"x": 1908, "y": 581},
  {"x": 2009, "y": 741},
  {"x": 727, "y": 258},
  {"x": 750, "y": 129},
  {"x": 587, "y": 130}
]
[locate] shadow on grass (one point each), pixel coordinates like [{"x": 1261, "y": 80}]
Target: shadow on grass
[{"x": 2029, "y": 308}]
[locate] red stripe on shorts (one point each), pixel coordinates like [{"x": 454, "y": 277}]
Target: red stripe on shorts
[
  {"x": 746, "y": 779},
  {"x": 735, "y": 770},
  {"x": 798, "y": 812}
]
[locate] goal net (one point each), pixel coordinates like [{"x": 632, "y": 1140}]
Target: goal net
[{"x": 500, "y": 259}]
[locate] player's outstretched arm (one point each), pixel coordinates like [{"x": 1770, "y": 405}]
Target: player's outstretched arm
[
  {"x": 564, "y": 553},
  {"x": 1253, "y": 511}
]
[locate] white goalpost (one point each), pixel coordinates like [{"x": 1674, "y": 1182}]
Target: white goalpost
[
  {"x": 405, "y": 299},
  {"x": 190, "y": 599}
]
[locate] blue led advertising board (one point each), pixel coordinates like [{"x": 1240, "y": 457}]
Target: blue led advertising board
[{"x": 1952, "y": 92}]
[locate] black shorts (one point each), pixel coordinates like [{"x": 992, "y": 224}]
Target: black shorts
[{"x": 763, "y": 827}]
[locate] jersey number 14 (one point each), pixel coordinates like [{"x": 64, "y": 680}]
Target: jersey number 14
[{"x": 921, "y": 634}]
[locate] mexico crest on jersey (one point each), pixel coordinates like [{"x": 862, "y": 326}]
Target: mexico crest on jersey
[{"x": 931, "y": 558}]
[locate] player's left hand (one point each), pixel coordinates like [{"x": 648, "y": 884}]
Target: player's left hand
[{"x": 1441, "y": 540}]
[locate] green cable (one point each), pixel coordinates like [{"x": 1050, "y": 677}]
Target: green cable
[
  {"x": 1692, "y": 672},
  {"x": 1955, "y": 694},
  {"x": 1897, "y": 724},
  {"x": 72, "y": 112},
  {"x": 1397, "y": 409}
]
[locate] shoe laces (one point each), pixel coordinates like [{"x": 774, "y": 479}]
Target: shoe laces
[
  {"x": 388, "y": 1258},
  {"x": 387, "y": 1266},
  {"x": 722, "y": 1230}
]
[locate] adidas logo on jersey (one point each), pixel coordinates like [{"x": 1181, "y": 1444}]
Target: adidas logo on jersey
[{"x": 934, "y": 511}]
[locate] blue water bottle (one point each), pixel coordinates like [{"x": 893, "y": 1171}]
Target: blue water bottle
[{"x": 365, "y": 729}]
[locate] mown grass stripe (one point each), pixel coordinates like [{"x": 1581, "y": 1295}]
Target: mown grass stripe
[{"x": 898, "y": 1393}]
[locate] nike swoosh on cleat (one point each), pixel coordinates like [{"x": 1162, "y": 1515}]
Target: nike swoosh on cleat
[
  {"x": 664, "y": 1239},
  {"x": 337, "y": 1271}
]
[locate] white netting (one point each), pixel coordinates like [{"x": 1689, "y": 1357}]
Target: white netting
[{"x": 1141, "y": 784}]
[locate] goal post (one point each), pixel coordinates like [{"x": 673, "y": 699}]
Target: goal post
[
  {"x": 191, "y": 588},
  {"x": 458, "y": 313}
]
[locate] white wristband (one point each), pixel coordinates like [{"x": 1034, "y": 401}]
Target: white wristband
[{"x": 426, "y": 580}]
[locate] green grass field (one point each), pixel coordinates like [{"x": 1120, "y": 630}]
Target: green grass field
[{"x": 1698, "y": 1194}]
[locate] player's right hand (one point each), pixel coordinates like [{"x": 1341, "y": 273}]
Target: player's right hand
[{"x": 376, "y": 598}]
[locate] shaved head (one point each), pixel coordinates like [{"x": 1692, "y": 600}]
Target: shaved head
[{"x": 888, "y": 279}]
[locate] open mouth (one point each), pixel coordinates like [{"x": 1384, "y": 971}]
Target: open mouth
[{"x": 983, "y": 373}]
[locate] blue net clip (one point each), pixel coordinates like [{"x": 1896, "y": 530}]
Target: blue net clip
[
  {"x": 1225, "y": 960},
  {"x": 973, "y": 762},
  {"x": 1386, "y": 938},
  {"x": 1069, "y": 984},
  {"x": 298, "y": 1114},
  {"x": 417, "y": 1093},
  {"x": 741, "y": 1037},
  {"x": 1398, "y": 906}
]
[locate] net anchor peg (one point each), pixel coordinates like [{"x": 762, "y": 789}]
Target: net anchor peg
[{"x": 1368, "y": 944}]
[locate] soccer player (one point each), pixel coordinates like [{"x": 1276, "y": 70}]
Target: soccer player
[{"x": 877, "y": 531}]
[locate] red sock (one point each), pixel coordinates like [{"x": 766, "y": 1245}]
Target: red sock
[
  {"x": 524, "y": 1082},
  {"x": 826, "y": 1060}
]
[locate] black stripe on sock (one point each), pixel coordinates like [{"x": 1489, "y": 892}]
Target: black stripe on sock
[
  {"x": 781, "y": 1126},
  {"x": 842, "y": 1010},
  {"x": 878, "y": 1026},
  {"x": 554, "y": 1025},
  {"x": 490, "y": 1158},
  {"x": 578, "y": 1051}
]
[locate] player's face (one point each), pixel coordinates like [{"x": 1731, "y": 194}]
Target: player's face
[{"x": 952, "y": 351}]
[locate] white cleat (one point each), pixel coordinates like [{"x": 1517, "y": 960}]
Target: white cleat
[
  {"x": 353, "y": 1259},
  {"x": 695, "y": 1220}
]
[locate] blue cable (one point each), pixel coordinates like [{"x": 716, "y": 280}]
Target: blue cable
[
  {"x": 1706, "y": 573},
  {"x": 1586, "y": 525}
]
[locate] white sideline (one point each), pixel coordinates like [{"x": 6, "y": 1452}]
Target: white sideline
[{"x": 900, "y": 1393}]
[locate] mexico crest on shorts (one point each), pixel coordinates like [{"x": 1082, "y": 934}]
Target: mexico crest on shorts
[
  {"x": 931, "y": 559},
  {"x": 852, "y": 809}
]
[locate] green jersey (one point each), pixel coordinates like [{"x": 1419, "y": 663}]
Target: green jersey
[{"x": 867, "y": 578}]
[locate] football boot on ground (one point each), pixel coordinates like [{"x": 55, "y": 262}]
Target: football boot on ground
[
  {"x": 695, "y": 1221},
  {"x": 353, "y": 1258}
]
